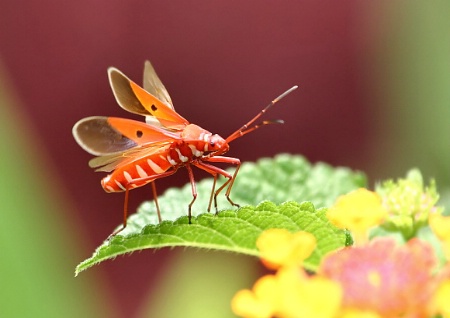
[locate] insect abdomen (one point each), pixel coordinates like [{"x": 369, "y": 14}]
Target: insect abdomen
[{"x": 136, "y": 173}]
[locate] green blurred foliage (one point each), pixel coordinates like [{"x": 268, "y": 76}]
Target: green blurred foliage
[
  {"x": 200, "y": 284},
  {"x": 408, "y": 68},
  {"x": 38, "y": 250}
]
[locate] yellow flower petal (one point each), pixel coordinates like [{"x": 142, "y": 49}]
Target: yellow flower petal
[
  {"x": 440, "y": 302},
  {"x": 357, "y": 211},
  {"x": 246, "y": 304},
  {"x": 303, "y": 296},
  {"x": 356, "y": 313},
  {"x": 259, "y": 303},
  {"x": 440, "y": 225},
  {"x": 280, "y": 247}
]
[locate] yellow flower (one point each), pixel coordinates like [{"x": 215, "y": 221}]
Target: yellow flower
[
  {"x": 314, "y": 296},
  {"x": 279, "y": 247},
  {"x": 289, "y": 293},
  {"x": 357, "y": 313},
  {"x": 358, "y": 211},
  {"x": 440, "y": 301},
  {"x": 259, "y": 303},
  {"x": 441, "y": 227}
]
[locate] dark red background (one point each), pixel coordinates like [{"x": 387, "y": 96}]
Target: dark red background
[{"x": 222, "y": 61}]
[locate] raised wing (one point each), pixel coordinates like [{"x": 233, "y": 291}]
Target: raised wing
[
  {"x": 135, "y": 99},
  {"x": 102, "y": 136},
  {"x": 154, "y": 86}
]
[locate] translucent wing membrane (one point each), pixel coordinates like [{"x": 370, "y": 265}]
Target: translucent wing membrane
[
  {"x": 97, "y": 137},
  {"x": 107, "y": 163},
  {"x": 102, "y": 136},
  {"x": 123, "y": 93},
  {"x": 110, "y": 162},
  {"x": 154, "y": 86}
]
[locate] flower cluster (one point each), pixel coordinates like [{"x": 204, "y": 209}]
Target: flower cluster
[
  {"x": 291, "y": 292},
  {"x": 409, "y": 204},
  {"x": 377, "y": 277}
]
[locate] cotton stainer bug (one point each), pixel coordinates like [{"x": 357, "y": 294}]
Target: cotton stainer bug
[{"x": 138, "y": 153}]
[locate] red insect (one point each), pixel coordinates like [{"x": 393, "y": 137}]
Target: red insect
[{"x": 138, "y": 153}]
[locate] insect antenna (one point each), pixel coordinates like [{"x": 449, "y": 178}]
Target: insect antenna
[
  {"x": 248, "y": 128},
  {"x": 252, "y": 128}
]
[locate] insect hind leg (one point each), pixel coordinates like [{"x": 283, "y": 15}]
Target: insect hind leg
[
  {"x": 194, "y": 191},
  {"x": 128, "y": 186},
  {"x": 125, "y": 215}
]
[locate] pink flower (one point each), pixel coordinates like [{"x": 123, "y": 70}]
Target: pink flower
[{"x": 383, "y": 276}]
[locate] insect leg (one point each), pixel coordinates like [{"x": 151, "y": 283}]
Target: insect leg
[
  {"x": 194, "y": 190},
  {"x": 155, "y": 197},
  {"x": 212, "y": 190},
  {"x": 211, "y": 170},
  {"x": 125, "y": 215},
  {"x": 215, "y": 170},
  {"x": 230, "y": 181},
  {"x": 138, "y": 181}
]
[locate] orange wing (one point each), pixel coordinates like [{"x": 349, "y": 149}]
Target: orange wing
[
  {"x": 157, "y": 106},
  {"x": 117, "y": 141}
]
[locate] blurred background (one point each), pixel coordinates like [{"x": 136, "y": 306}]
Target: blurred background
[{"x": 374, "y": 95}]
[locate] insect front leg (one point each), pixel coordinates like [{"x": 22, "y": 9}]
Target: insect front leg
[
  {"x": 215, "y": 171},
  {"x": 230, "y": 181},
  {"x": 215, "y": 175},
  {"x": 212, "y": 170}
]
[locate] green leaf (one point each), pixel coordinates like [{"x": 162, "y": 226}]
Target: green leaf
[
  {"x": 285, "y": 177},
  {"x": 234, "y": 231}
]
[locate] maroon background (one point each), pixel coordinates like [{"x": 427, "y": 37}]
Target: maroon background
[{"x": 222, "y": 61}]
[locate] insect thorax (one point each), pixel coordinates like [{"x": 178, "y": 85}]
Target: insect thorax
[{"x": 195, "y": 142}]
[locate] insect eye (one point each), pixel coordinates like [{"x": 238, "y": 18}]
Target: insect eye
[
  {"x": 139, "y": 133},
  {"x": 212, "y": 143}
]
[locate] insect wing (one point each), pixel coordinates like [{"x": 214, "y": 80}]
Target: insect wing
[
  {"x": 140, "y": 132},
  {"x": 109, "y": 135},
  {"x": 154, "y": 86},
  {"x": 135, "y": 99},
  {"x": 110, "y": 162}
]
